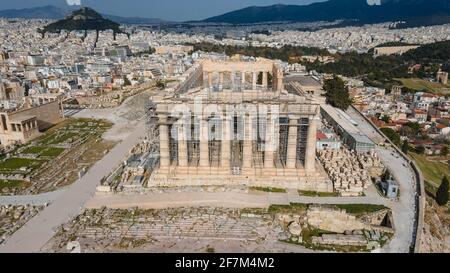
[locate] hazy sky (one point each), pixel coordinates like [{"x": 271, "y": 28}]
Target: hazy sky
[{"x": 177, "y": 10}]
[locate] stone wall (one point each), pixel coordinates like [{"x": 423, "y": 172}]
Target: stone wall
[
  {"x": 339, "y": 221},
  {"x": 334, "y": 220},
  {"x": 214, "y": 176},
  {"x": 378, "y": 218},
  {"x": 340, "y": 239}
]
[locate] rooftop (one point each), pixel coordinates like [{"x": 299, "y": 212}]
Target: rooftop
[
  {"x": 346, "y": 123},
  {"x": 341, "y": 118}
]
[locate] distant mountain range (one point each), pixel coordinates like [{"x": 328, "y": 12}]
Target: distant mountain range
[
  {"x": 55, "y": 13},
  {"x": 414, "y": 12}
]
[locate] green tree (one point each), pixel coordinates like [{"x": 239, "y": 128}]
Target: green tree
[
  {"x": 386, "y": 118},
  {"x": 420, "y": 149},
  {"x": 126, "y": 81},
  {"x": 415, "y": 127},
  {"x": 336, "y": 93},
  {"x": 405, "y": 147},
  {"x": 392, "y": 135},
  {"x": 386, "y": 175},
  {"x": 444, "y": 151},
  {"x": 284, "y": 53},
  {"x": 442, "y": 193}
]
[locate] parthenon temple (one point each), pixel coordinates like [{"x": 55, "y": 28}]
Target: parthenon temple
[{"x": 233, "y": 123}]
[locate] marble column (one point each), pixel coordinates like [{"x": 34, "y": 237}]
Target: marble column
[
  {"x": 278, "y": 80},
  {"x": 291, "y": 156},
  {"x": 210, "y": 78},
  {"x": 280, "y": 85},
  {"x": 243, "y": 81},
  {"x": 226, "y": 143},
  {"x": 221, "y": 78},
  {"x": 204, "y": 145},
  {"x": 268, "y": 147},
  {"x": 205, "y": 78},
  {"x": 254, "y": 80},
  {"x": 248, "y": 143},
  {"x": 264, "y": 80},
  {"x": 164, "y": 142},
  {"x": 233, "y": 80},
  {"x": 182, "y": 146},
  {"x": 310, "y": 158}
]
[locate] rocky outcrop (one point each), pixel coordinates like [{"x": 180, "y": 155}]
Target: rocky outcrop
[{"x": 436, "y": 232}]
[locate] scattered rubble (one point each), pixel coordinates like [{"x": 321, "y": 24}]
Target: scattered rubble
[
  {"x": 224, "y": 229},
  {"x": 115, "y": 230},
  {"x": 14, "y": 217},
  {"x": 350, "y": 171}
]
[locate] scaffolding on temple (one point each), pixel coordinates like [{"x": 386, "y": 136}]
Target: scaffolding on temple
[{"x": 272, "y": 148}]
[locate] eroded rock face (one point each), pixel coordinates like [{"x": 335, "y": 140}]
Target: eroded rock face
[{"x": 436, "y": 232}]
